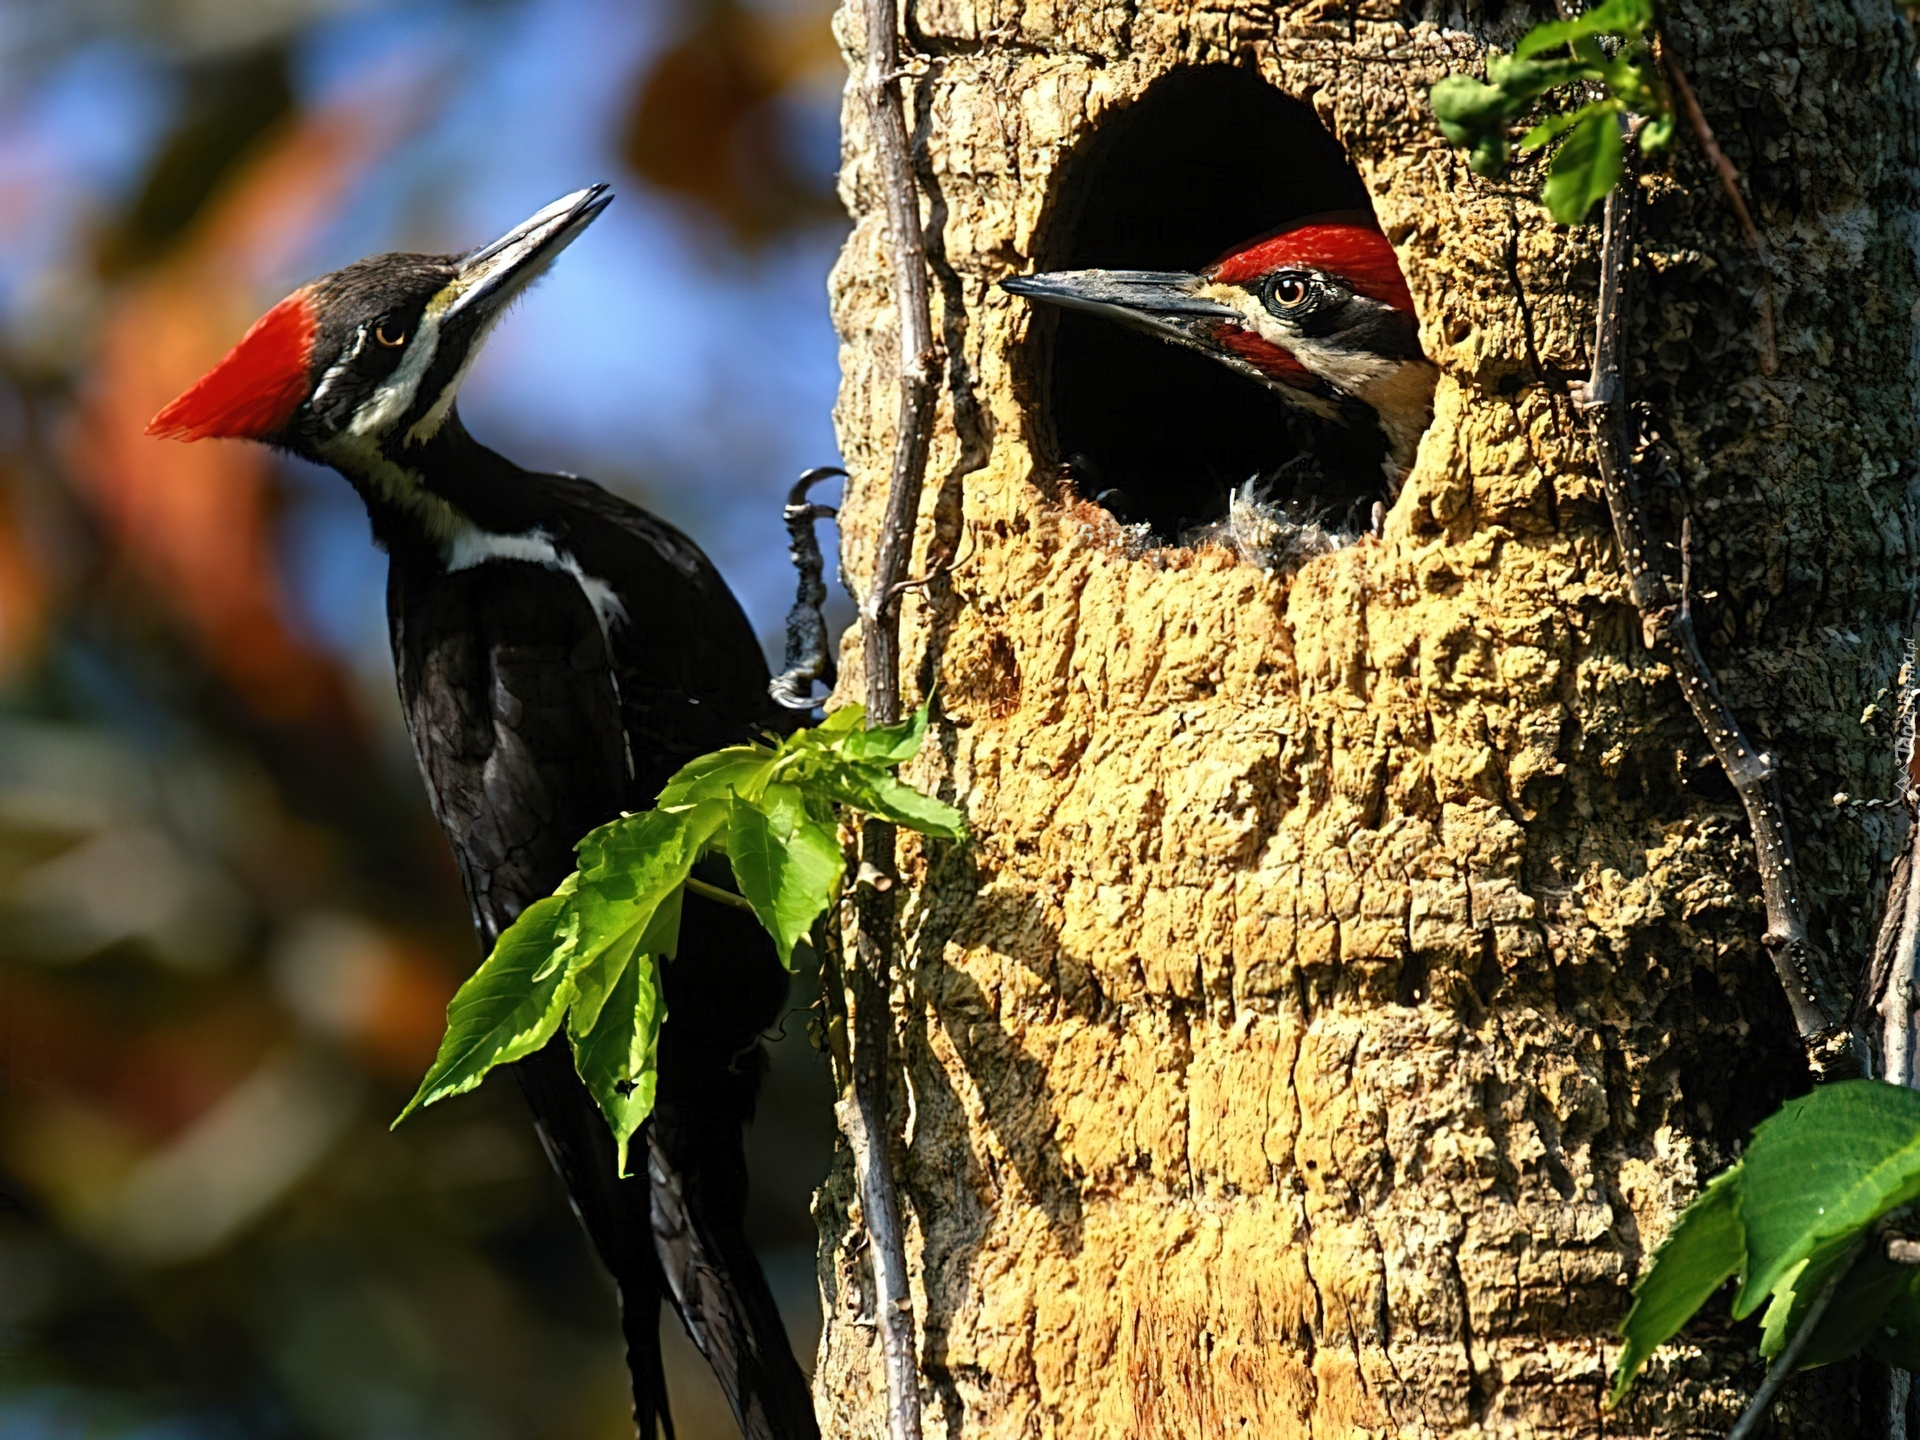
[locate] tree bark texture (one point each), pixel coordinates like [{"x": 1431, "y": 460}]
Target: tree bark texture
[{"x": 1352, "y": 975}]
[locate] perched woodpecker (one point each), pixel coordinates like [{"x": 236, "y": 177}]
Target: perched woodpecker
[
  {"x": 1317, "y": 310},
  {"x": 560, "y": 653}
]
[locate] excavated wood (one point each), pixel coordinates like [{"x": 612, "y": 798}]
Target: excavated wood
[{"x": 1351, "y": 977}]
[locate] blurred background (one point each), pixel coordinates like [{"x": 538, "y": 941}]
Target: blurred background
[{"x": 228, "y": 926}]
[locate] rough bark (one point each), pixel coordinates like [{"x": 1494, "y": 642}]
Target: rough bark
[{"x": 1351, "y": 976}]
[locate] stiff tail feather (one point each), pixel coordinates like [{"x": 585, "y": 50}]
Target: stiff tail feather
[
  {"x": 612, "y": 1211},
  {"x": 716, "y": 1284}
]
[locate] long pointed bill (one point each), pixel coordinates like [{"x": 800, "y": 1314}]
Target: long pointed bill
[
  {"x": 1161, "y": 302},
  {"x": 456, "y": 320},
  {"x": 492, "y": 275}
]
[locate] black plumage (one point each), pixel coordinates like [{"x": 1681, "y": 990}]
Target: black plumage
[
  {"x": 560, "y": 653},
  {"x": 522, "y": 715}
]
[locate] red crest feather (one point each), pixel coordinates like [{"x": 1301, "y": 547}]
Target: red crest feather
[
  {"x": 1359, "y": 254},
  {"x": 256, "y": 389}
]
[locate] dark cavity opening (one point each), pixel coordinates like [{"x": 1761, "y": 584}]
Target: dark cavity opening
[{"x": 1206, "y": 159}]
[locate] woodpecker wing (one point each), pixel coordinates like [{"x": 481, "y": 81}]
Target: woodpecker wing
[
  {"x": 691, "y": 673},
  {"x": 692, "y": 677},
  {"x": 547, "y": 696},
  {"x": 514, "y": 720}
]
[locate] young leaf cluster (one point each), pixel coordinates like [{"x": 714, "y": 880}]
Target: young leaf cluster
[
  {"x": 588, "y": 955},
  {"x": 1800, "y": 1209},
  {"x": 1476, "y": 115}
]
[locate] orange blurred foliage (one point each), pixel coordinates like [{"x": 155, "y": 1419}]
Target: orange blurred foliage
[
  {"x": 703, "y": 126},
  {"x": 195, "y": 520},
  {"x": 23, "y": 588}
]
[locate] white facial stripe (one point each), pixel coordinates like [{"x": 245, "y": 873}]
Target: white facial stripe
[
  {"x": 339, "y": 367},
  {"x": 1400, "y": 392},
  {"x": 1403, "y": 399},
  {"x": 428, "y": 425},
  {"x": 1346, "y": 370},
  {"x": 395, "y": 395}
]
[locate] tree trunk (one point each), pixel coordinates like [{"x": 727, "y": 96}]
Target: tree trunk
[{"x": 1351, "y": 976}]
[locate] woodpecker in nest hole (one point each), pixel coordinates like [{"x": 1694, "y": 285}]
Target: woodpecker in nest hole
[
  {"x": 560, "y": 653},
  {"x": 1317, "y": 311}
]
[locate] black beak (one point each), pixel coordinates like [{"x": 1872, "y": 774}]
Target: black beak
[
  {"x": 1161, "y": 302},
  {"x": 492, "y": 275}
]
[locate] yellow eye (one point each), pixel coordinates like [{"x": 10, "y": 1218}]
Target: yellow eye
[
  {"x": 1289, "y": 290},
  {"x": 390, "y": 333}
]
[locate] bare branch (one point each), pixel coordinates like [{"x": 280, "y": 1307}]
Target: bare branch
[
  {"x": 1832, "y": 1046},
  {"x": 1729, "y": 182},
  {"x": 1901, "y": 925},
  {"x": 864, "y": 1112},
  {"x": 1893, "y": 983},
  {"x": 1789, "y": 1359}
]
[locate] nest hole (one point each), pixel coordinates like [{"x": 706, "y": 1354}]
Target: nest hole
[{"x": 1161, "y": 436}]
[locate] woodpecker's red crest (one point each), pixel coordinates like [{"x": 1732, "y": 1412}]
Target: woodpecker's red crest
[
  {"x": 258, "y": 386},
  {"x": 1318, "y": 311}
]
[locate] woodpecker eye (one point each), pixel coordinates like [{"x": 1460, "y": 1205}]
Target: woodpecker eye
[
  {"x": 390, "y": 333},
  {"x": 1287, "y": 292}
]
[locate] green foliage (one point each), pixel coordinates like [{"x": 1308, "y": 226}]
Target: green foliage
[
  {"x": 1797, "y": 1210},
  {"x": 588, "y": 955},
  {"x": 1476, "y": 115}
]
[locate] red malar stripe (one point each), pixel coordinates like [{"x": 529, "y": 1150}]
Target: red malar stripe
[
  {"x": 1269, "y": 358},
  {"x": 256, "y": 389},
  {"x": 1358, "y": 254}
]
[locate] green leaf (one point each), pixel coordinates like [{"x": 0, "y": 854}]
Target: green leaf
[
  {"x": 1706, "y": 1248},
  {"x": 1474, "y": 115},
  {"x": 1866, "y": 1291},
  {"x": 1629, "y": 19},
  {"x": 1523, "y": 80},
  {"x": 593, "y": 979},
  {"x": 503, "y": 1013},
  {"x": 617, "y": 1051},
  {"x": 646, "y": 855},
  {"x": 878, "y": 794},
  {"x": 787, "y": 865},
  {"x": 847, "y": 717},
  {"x": 1556, "y": 125},
  {"x": 1656, "y": 134},
  {"x": 717, "y": 776},
  {"x": 889, "y": 744},
  {"x": 1826, "y": 1166},
  {"x": 1586, "y": 167}
]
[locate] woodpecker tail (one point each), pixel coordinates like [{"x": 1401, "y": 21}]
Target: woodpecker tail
[
  {"x": 698, "y": 1172},
  {"x": 614, "y": 1212},
  {"x": 725, "y": 987},
  {"x": 677, "y": 1232}
]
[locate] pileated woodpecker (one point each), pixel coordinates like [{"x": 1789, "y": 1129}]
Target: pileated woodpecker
[
  {"x": 560, "y": 653},
  {"x": 1317, "y": 310}
]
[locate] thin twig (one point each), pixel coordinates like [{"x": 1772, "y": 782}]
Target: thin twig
[
  {"x": 809, "y": 652},
  {"x": 1896, "y": 1008},
  {"x": 1832, "y": 1047},
  {"x": 864, "y": 1113},
  {"x": 1897, "y": 956},
  {"x": 1789, "y": 1359},
  {"x": 941, "y": 568},
  {"x": 1729, "y": 182},
  {"x": 724, "y": 897}
]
